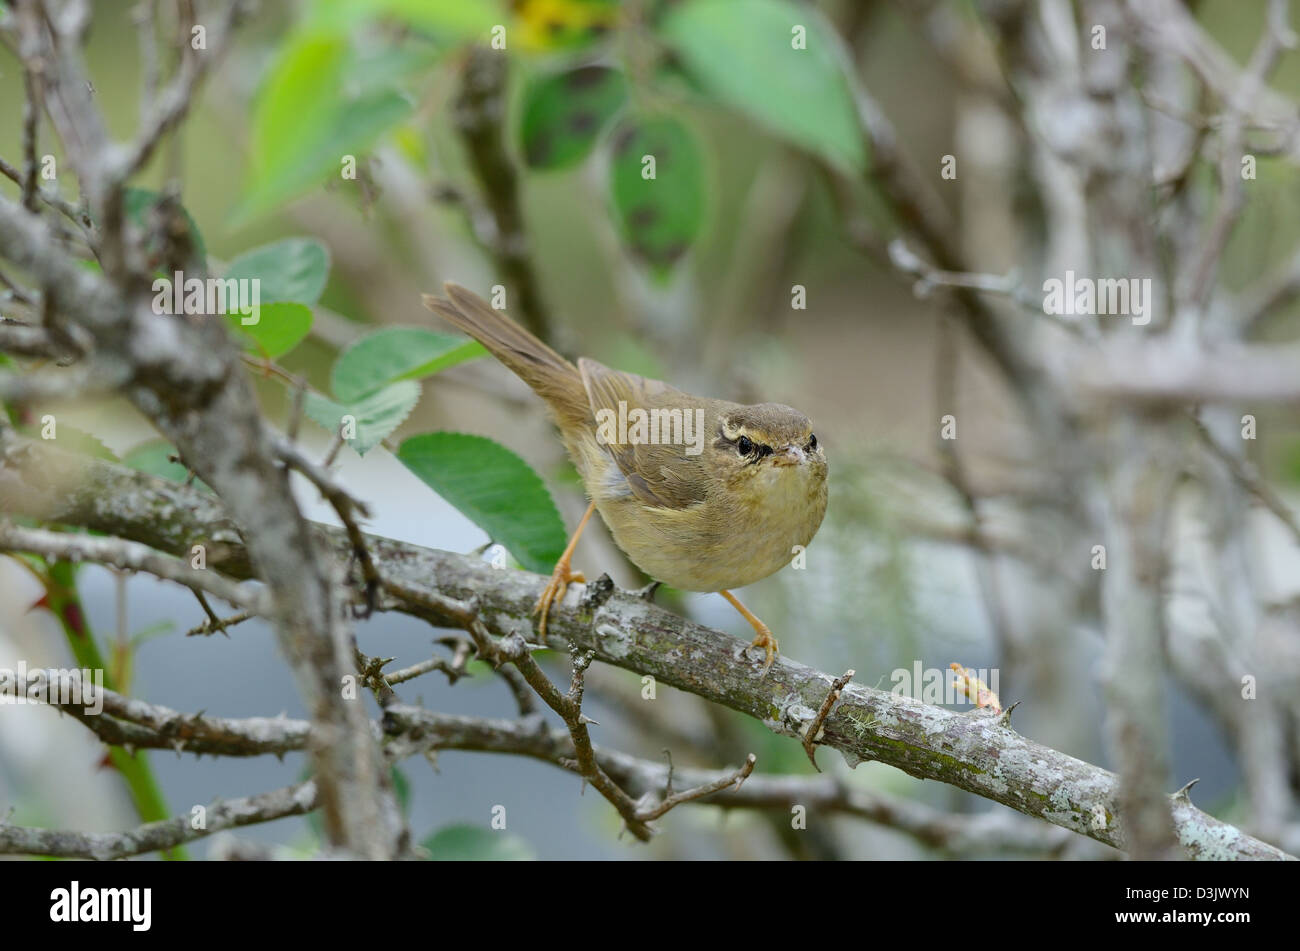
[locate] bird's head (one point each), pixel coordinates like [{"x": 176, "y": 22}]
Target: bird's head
[{"x": 769, "y": 447}]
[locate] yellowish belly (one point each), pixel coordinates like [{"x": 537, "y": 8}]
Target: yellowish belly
[{"x": 706, "y": 549}]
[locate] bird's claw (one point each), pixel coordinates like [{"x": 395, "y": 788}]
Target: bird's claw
[
  {"x": 767, "y": 641},
  {"x": 554, "y": 591}
]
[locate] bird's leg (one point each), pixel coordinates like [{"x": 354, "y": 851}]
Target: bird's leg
[
  {"x": 764, "y": 639},
  {"x": 561, "y": 576}
]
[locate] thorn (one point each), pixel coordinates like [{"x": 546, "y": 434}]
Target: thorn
[
  {"x": 1184, "y": 793},
  {"x": 750, "y": 760},
  {"x": 597, "y": 593},
  {"x": 1004, "y": 718},
  {"x": 647, "y": 593}
]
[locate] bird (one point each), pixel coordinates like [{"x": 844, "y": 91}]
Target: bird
[{"x": 701, "y": 494}]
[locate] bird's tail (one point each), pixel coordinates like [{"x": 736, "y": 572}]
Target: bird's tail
[{"x": 552, "y": 377}]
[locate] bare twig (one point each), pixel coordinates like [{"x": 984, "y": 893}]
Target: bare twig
[
  {"x": 813, "y": 732},
  {"x": 1276, "y": 37},
  {"x": 1244, "y": 473},
  {"x": 174, "y": 102},
  {"x": 479, "y": 115},
  {"x": 348, "y": 509},
  {"x": 220, "y": 814},
  {"x": 31, "y": 114},
  {"x": 734, "y": 779},
  {"x": 144, "y": 15},
  {"x": 52, "y": 198},
  {"x": 214, "y": 625},
  {"x": 131, "y": 556}
]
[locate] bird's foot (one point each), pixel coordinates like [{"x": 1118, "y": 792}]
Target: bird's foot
[
  {"x": 561, "y": 578},
  {"x": 764, "y": 639},
  {"x": 767, "y": 641}
]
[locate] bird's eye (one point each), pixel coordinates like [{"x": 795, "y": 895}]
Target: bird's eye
[
  {"x": 745, "y": 445},
  {"x": 812, "y": 443}
]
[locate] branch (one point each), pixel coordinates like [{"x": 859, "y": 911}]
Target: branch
[
  {"x": 174, "y": 103},
  {"x": 415, "y": 731},
  {"x": 348, "y": 509},
  {"x": 52, "y": 198},
  {"x": 1198, "y": 283},
  {"x": 480, "y": 110},
  {"x": 959, "y": 834},
  {"x": 128, "y": 722},
  {"x": 968, "y": 750},
  {"x": 187, "y": 380},
  {"x": 1244, "y": 472},
  {"x": 1142, "y": 469},
  {"x": 105, "y": 846},
  {"x": 1169, "y": 372},
  {"x": 130, "y": 556}
]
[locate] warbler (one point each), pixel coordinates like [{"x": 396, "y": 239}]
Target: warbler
[{"x": 699, "y": 515}]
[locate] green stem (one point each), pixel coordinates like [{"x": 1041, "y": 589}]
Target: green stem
[{"x": 64, "y": 602}]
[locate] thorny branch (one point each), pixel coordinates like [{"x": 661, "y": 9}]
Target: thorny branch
[
  {"x": 971, "y": 751},
  {"x": 413, "y": 731},
  {"x": 186, "y": 379}
]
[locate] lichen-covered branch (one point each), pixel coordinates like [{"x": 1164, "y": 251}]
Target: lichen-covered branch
[
  {"x": 186, "y": 379},
  {"x": 222, "y": 814},
  {"x": 413, "y": 731},
  {"x": 975, "y": 752}
]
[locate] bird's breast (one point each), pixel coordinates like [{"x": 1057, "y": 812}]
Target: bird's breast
[{"x": 715, "y": 544}]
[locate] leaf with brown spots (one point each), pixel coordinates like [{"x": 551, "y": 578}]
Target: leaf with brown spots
[
  {"x": 659, "y": 217},
  {"x": 563, "y": 114}
]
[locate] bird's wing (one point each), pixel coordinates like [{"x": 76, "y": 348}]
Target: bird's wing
[{"x": 663, "y": 475}]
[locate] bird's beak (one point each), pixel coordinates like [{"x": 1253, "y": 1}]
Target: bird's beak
[{"x": 789, "y": 456}]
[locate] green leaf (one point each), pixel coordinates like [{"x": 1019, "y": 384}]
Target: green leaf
[
  {"x": 307, "y": 118},
  {"x": 280, "y": 327},
  {"x": 397, "y": 353},
  {"x": 402, "y": 790},
  {"x": 563, "y": 114},
  {"x": 294, "y": 269},
  {"x": 153, "y": 457},
  {"x": 376, "y": 415},
  {"x": 387, "y": 67},
  {"x": 744, "y": 55},
  {"x": 494, "y": 489},
  {"x": 291, "y": 275},
  {"x": 71, "y": 439},
  {"x": 153, "y": 631},
  {"x": 658, "y": 217},
  {"x": 1291, "y": 463},
  {"x": 138, "y": 205},
  {"x": 470, "y": 843}
]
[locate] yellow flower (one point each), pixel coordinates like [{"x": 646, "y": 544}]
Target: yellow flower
[{"x": 556, "y": 24}]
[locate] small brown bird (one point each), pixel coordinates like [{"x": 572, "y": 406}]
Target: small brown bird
[{"x": 701, "y": 494}]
